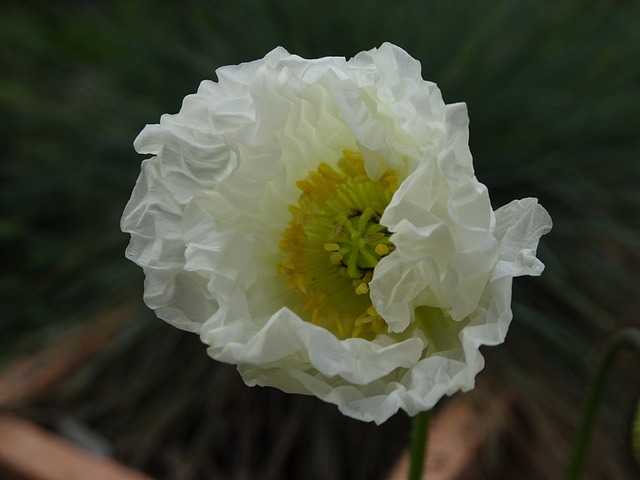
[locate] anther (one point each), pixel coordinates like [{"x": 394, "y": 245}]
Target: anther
[
  {"x": 331, "y": 247},
  {"x": 362, "y": 289},
  {"x": 335, "y": 258},
  {"x": 381, "y": 249}
]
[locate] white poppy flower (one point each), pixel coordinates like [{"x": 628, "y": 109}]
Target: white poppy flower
[{"x": 318, "y": 224}]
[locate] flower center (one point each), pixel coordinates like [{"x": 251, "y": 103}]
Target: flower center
[{"x": 334, "y": 241}]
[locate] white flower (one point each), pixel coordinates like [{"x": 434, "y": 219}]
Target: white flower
[{"x": 318, "y": 224}]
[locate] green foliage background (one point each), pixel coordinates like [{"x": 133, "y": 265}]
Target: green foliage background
[{"x": 553, "y": 90}]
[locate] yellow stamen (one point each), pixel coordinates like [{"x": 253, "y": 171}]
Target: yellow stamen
[
  {"x": 333, "y": 243},
  {"x": 381, "y": 249},
  {"x": 335, "y": 258}
]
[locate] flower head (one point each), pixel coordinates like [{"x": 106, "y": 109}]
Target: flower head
[{"x": 318, "y": 223}]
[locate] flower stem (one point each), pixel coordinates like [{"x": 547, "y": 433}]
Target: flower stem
[
  {"x": 629, "y": 337},
  {"x": 419, "y": 436}
]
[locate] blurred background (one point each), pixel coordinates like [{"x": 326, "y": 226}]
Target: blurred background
[{"x": 553, "y": 91}]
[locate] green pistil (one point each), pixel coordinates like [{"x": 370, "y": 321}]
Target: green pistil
[{"x": 359, "y": 238}]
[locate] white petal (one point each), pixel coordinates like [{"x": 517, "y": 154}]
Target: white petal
[
  {"x": 285, "y": 341},
  {"x": 519, "y": 226}
]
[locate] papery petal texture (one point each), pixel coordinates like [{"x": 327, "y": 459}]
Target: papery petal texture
[{"x": 214, "y": 202}]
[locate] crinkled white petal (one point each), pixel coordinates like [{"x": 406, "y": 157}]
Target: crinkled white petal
[
  {"x": 441, "y": 221},
  {"x": 519, "y": 226},
  {"x": 211, "y": 204}
]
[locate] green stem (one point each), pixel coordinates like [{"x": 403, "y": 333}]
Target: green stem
[
  {"x": 629, "y": 337},
  {"x": 419, "y": 435}
]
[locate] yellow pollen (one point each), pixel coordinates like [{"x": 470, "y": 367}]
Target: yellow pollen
[
  {"x": 331, "y": 247},
  {"x": 335, "y": 258},
  {"x": 333, "y": 243},
  {"x": 362, "y": 289}
]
